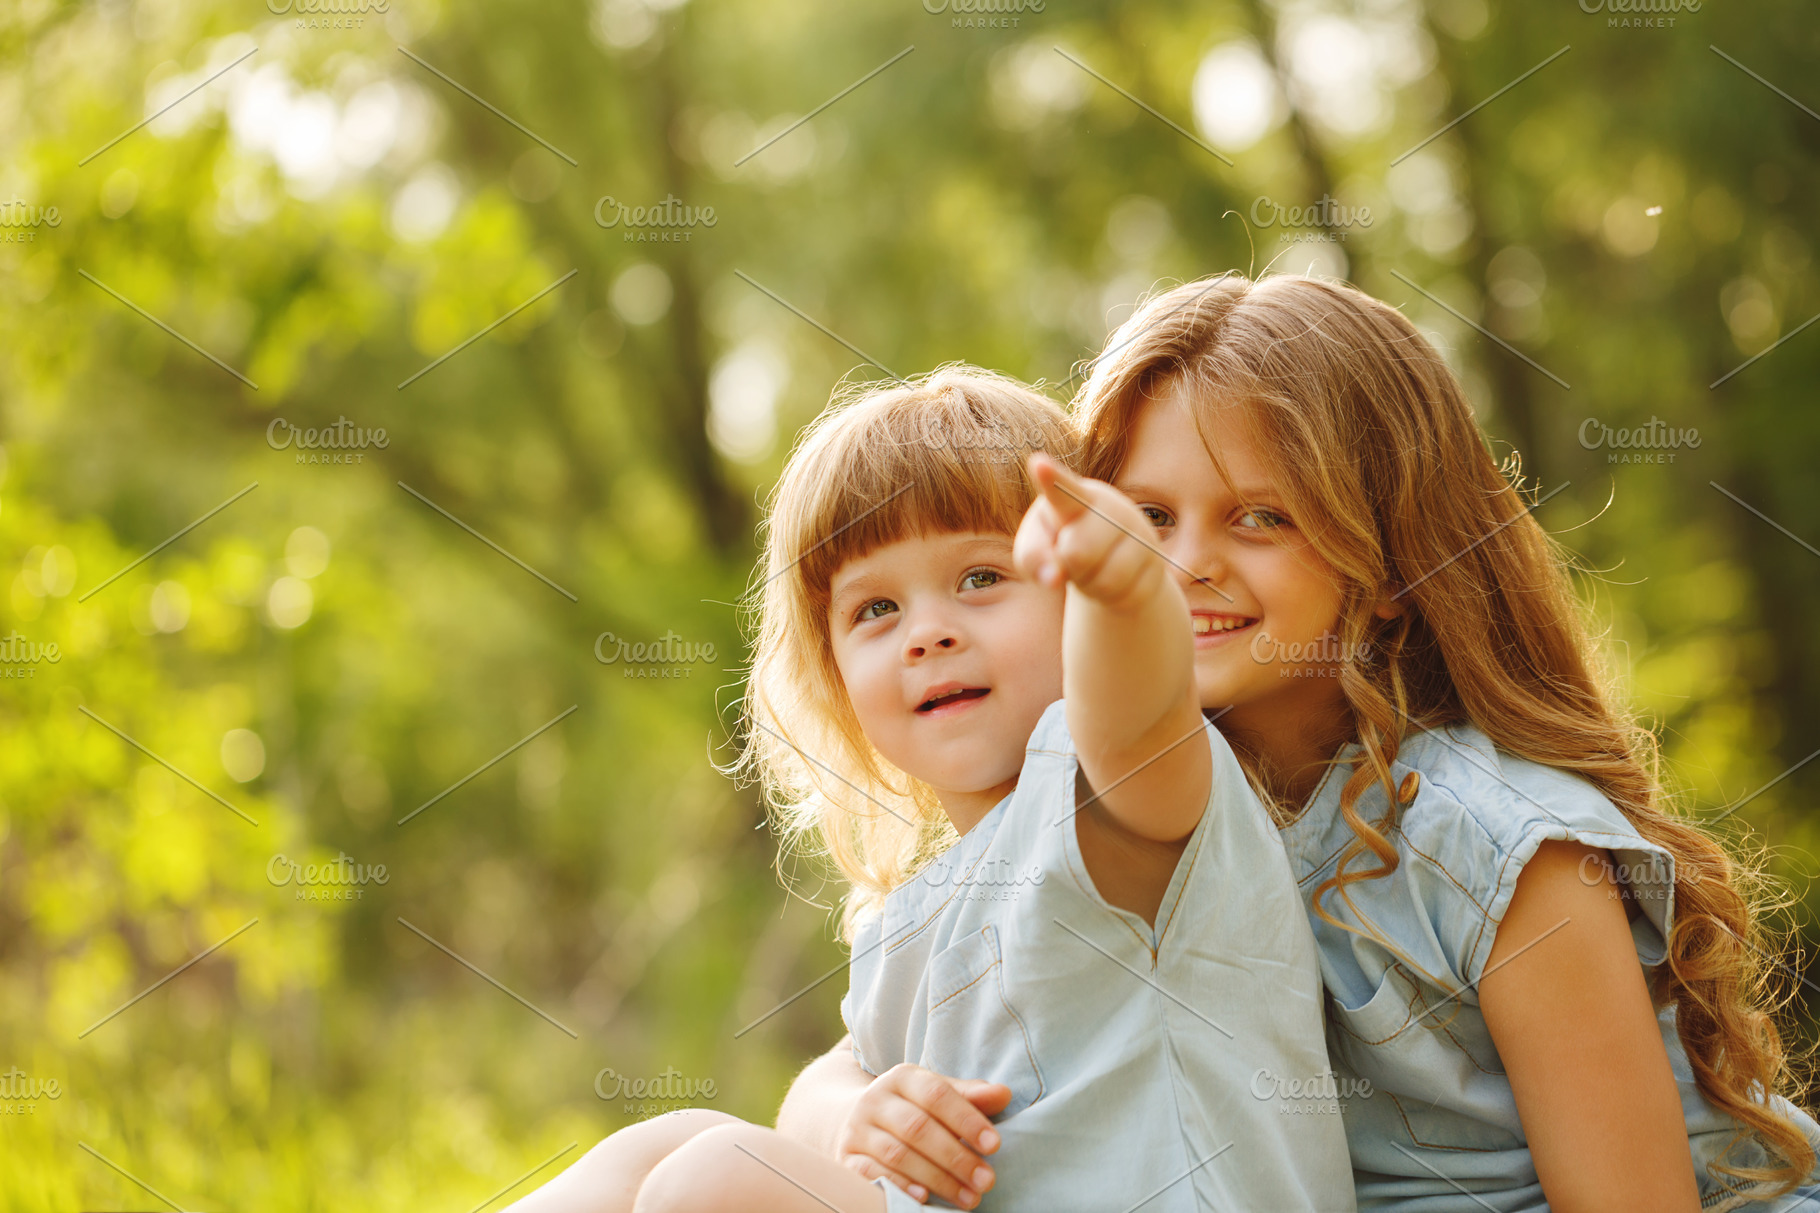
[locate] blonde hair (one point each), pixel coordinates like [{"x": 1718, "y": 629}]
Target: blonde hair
[
  {"x": 942, "y": 453},
  {"x": 1373, "y": 445}
]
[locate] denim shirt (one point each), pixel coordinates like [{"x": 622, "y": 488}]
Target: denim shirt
[
  {"x": 1180, "y": 1067},
  {"x": 1430, "y": 1117}
]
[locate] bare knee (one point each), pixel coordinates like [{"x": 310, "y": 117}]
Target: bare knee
[
  {"x": 704, "y": 1174},
  {"x": 654, "y": 1140},
  {"x": 607, "y": 1178}
]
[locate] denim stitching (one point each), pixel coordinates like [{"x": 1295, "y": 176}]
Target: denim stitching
[
  {"x": 1182, "y": 890},
  {"x": 1468, "y": 1053},
  {"x": 1005, "y": 1002},
  {"x": 1428, "y": 1145},
  {"x": 965, "y": 988},
  {"x": 1415, "y": 994},
  {"x": 1022, "y": 1029}
]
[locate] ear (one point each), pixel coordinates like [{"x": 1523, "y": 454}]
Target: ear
[{"x": 1390, "y": 606}]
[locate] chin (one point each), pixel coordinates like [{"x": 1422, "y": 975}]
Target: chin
[{"x": 1223, "y": 693}]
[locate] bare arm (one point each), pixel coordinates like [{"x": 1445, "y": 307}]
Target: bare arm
[
  {"x": 816, "y": 1107},
  {"x": 1128, "y": 655},
  {"x": 1572, "y": 1019},
  {"x": 923, "y": 1131}
]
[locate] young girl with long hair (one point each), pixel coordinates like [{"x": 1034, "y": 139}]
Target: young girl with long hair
[{"x": 1553, "y": 980}]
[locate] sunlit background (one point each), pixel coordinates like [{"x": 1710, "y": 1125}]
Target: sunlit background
[{"x": 561, "y": 512}]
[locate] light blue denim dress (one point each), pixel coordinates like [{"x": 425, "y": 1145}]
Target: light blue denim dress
[
  {"x": 1430, "y": 1117},
  {"x": 1167, "y": 1070}
]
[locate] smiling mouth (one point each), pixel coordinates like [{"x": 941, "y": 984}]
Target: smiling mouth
[
  {"x": 946, "y": 698},
  {"x": 1215, "y": 625}
]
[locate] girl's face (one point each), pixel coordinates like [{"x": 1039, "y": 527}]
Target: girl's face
[
  {"x": 949, "y": 658},
  {"x": 1265, "y": 612}
]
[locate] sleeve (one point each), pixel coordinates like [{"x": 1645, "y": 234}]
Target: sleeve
[
  {"x": 1229, "y": 792},
  {"x": 862, "y": 976},
  {"x": 1647, "y": 868},
  {"x": 1472, "y": 840},
  {"x": 1231, "y": 795}
]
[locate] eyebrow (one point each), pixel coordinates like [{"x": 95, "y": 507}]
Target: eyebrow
[
  {"x": 852, "y": 587},
  {"x": 1006, "y": 542},
  {"x": 1253, "y": 494},
  {"x": 1000, "y": 545}
]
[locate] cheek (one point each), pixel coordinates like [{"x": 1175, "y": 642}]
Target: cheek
[
  {"x": 1298, "y": 592},
  {"x": 860, "y": 678},
  {"x": 874, "y": 687},
  {"x": 1034, "y": 644}
]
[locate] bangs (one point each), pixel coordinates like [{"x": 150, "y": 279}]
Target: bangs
[{"x": 943, "y": 456}]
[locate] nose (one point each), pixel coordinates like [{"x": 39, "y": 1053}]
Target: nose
[
  {"x": 930, "y": 632},
  {"x": 1196, "y": 557}
]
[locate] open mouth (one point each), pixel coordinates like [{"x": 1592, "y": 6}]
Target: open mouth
[
  {"x": 950, "y": 696},
  {"x": 1207, "y": 623}
]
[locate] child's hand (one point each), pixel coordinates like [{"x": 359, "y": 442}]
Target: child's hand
[
  {"x": 925, "y": 1132},
  {"x": 1085, "y": 532}
]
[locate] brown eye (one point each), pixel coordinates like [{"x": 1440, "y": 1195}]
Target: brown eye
[
  {"x": 981, "y": 579},
  {"x": 1262, "y": 519},
  {"x": 878, "y": 608},
  {"x": 1159, "y": 517}
]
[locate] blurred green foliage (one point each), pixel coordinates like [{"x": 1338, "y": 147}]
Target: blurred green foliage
[{"x": 328, "y": 653}]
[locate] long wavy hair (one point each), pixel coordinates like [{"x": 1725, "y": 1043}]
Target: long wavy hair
[
  {"x": 1372, "y": 443},
  {"x": 942, "y": 453}
]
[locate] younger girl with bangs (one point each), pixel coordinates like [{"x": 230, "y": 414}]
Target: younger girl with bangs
[
  {"x": 1047, "y": 895},
  {"x": 1545, "y": 987}
]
